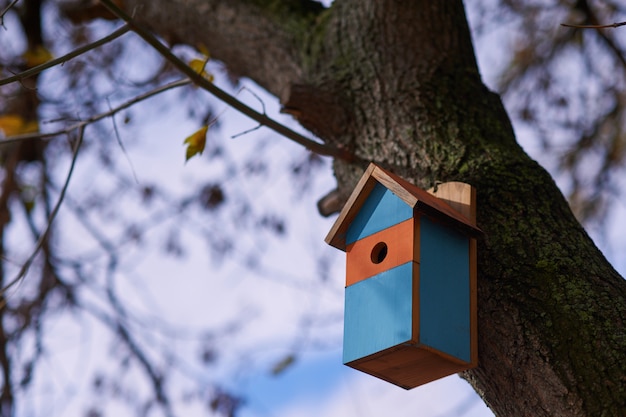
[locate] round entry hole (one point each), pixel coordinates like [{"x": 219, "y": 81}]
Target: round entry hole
[{"x": 379, "y": 252}]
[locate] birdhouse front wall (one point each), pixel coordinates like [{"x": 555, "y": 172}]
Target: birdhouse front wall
[
  {"x": 381, "y": 210},
  {"x": 424, "y": 299},
  {"x": 407, "y": 316}
]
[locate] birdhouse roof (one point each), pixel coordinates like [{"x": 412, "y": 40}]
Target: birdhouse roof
[{"x": 418, "y": 199}]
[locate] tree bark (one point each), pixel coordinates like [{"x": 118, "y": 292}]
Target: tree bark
[{"x": 396, "y": 82}]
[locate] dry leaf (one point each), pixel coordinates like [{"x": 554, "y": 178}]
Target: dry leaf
[
  {"x": 196, "y": 142},
  {"x": 199, "y": 65},
  {"x": 14, "y": 124}
]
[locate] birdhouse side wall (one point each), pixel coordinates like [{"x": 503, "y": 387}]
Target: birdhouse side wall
[
  {"x": 444, "y": 287},
  {"x": 381, "y": 210}
]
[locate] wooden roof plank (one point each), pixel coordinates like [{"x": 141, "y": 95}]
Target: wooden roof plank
[{"x": 420, "y": 200}]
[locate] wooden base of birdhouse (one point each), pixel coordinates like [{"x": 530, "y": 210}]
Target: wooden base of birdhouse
[{"x": 409, "y": 366}]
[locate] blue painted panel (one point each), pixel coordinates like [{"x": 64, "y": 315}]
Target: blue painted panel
[
  {"x": 381, "y": 209},
  {"x": 444, "y": 289},
  {"x": 378, "y": 313}
]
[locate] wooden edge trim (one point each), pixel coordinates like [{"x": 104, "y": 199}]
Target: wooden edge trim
[{"x": 336, "y": 235}]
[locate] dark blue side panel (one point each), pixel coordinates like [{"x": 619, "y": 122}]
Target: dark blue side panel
[
  {"x": 381, "y": 209},
  {"x": 444, "y": 290},
  {"x": 378, "y": 313}
]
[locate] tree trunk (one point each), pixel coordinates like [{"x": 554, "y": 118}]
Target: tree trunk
[{"x": 396, "y": 82}]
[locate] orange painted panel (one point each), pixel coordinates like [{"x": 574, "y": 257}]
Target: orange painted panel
[{"x": 382, "y": 251}]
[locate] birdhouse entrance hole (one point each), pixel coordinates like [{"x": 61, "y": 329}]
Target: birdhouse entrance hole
[{"x": 379, "y": 252}]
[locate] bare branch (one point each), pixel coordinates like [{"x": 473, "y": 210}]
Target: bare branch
[
  {"x": 613, "y": 25},
  {"x": 155, "y": 377},
  {"x": 53, "y": 62},
  {"x": 245, "y": 132},
  {"x": 121, "y": 330},
  {"x": 122, "y": 147},
  {"x": 244, "y": 88},
  {"x": 81, "y": 128},
  {"x": 199, "y": 80},
  {"x": 26, "y": 266},
  {"x": 2, "y": 13},
  {"x": 98, "y": 117}
]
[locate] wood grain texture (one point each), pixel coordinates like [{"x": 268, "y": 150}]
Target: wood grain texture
[
  {"x": 458, "y": 195},
  {"x": 408, "y": 366}
]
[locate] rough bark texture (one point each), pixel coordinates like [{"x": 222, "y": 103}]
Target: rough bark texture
[{"x": 399, "y": 85}]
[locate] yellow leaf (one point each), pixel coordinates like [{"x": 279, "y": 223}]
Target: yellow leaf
[
  {"x": 11, "y": 124},
  {"x": 37, "y": 56},
  {"x": 196, "y": 142},
  {"x": 198, "y": 65},
  {"x": 14, "y": 124}
]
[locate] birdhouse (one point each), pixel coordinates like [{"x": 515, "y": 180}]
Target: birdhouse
[{"x": 410, "y": 299}]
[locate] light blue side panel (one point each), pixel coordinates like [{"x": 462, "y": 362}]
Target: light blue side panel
[
  {"x": 381, "y": 209},
  {"x": 444, "y": 290},
  {"x": 378, "y": 313}
]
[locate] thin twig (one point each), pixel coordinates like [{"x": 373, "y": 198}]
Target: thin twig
[
  {"x": 612, "y": 25},
  {"x": 124, "y": 333},
  {"x": 244, "y": 88},
  {"x": 245, "y": 132},
  {"x": 199, "y": 80},
  {"x": 122, "y": 147},
  {"x": 53, "y": 62},
  {"x": 42, "y": 238},
  {"x": 98, "y": 117},
  {"x": 603, "y": 35},
  {"x": 2, "y": 13},
  {"x": 155, "y": 377}
]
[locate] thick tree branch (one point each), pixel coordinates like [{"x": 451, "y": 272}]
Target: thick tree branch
[
  {"x": 198, "y": 79},
  {"x": 317, "y": 110},
  {"x": 260, "y": 40}
]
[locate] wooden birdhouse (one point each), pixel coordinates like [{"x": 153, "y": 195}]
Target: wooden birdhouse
[{"x": 410, "y": 300}]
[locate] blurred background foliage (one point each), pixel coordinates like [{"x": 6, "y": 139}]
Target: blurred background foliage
[{"x": 563, "y": 87}]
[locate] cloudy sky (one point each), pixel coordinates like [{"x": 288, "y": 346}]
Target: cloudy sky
[{"x": 280, "y": 302}]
